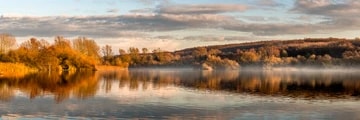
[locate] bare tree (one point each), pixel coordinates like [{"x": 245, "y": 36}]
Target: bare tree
[
  {"x": 62, "y": 43},
  {"x": 133, "y": 50},
  {"x": 107, "y": 51},
  {"x": 122, "y": 51},
  {"x": 7, "y": 41},
  {"x": 145, "y": 50}
]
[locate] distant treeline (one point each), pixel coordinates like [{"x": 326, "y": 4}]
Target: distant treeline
[
  {"x": 309, "y": 52},
  {"x": 84, "y": 53}
]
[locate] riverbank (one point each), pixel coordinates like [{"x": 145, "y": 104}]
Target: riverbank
[
  {"x": 20, "y": 69},
  {"x": 109, "y": 68}
]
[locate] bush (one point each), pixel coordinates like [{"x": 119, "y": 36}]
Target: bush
[{"x": 218, "y": 63}]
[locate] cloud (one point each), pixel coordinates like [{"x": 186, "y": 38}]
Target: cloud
[
  {"x": 271, "y": 29},
  {"x": 143, "y": 10},
  {"x": 132, "y": 34},
  {"x": 165, "y": 37},
  {"x": 269, "y": 3},
  {"x": 100, "y": 26},
  {"x": 259, "y": 18},
  {"x": 150, "y": 43},
  {"x": 201, "y": 8},
  {"x": 118, "y": 26},
  {"x": 108, "y": 26},
  {"x": 149, "y": 2},
  {"x": 339, "y": 14},
  {"x": 202, "y": 19},
  {"x": 112, "y": 11},
  {"x": 254, "y": 18},
  {"x": 211, "y": 38},
  {"x": 318, "y": 7}
]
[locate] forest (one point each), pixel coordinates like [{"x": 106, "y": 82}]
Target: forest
[{"x": 84, "y": 53}]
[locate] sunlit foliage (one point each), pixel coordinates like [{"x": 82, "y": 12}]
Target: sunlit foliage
[{"x": 41, "y": 55}]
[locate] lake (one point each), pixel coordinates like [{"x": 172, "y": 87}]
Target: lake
[{"x": 183, "y": 94}]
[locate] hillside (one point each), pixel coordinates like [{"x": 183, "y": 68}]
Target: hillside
[
  {"x": 314, "y": 52},
  {"x": 293, "y": 47}
]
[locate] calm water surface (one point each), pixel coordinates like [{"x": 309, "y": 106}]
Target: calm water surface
[{"x": 182, "y": 94}]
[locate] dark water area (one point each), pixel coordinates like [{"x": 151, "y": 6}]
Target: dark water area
[{"x": 183, "y": 94}]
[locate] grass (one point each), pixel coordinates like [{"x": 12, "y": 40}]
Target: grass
[{"x": 14, "y": 69}]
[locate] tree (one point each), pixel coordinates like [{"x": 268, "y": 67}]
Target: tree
[
  {"x": 86, "y": 46},
  {"x": 122, "y": 51},
  {"x": 156, "y": 50},
  {"x": 62, "y": 43},
  {"x": 249, "y": 56},
  {"x": 325, "y": 60},
  {"x": 134, "y": 54},
  {"x": 64, "y": 51},
  {"x": 107, "y": 51},
  {"x": 163, "y": 57},
  {"x": 133, "y": 50},
  {"x": 32, "y": 44},
  {"x": 7, "y": 41},
  {"x": 214, "y": 51},
  {"x": 218, "y": 63},
  {"x": 200, "y": 51},
  {"x": 269, "y": 51},
  {"x": 47, "y": 58},
  {"x": 29, "y": 52},
  {"x": 145, "y": 50},
  {"x": 271, "y": 60}
]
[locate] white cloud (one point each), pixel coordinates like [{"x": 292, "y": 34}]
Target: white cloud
[{"x": 114, "y": 10}]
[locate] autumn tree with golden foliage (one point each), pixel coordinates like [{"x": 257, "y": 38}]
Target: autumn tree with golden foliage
[
  {"x": 86, "y": 47},
  {"x": 44, "y": 56}
]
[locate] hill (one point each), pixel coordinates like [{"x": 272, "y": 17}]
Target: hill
[
  {"x": 313, "y": 52},
  {"x": 293, "y": 47}
]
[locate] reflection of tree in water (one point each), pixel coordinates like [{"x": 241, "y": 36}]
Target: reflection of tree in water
[
  {"x": 81, "y": 85},
  {"x": 303, "y": 85},
  {"x": 316, "y": 85},
  {"x": 6, "y": 92},
  {"x": 85, "y": 84},
  {"x": 136, "y": 79}
]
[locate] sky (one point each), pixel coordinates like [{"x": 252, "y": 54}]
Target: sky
[{"x": 177, "y": 24}]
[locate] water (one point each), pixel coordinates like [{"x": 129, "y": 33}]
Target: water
[{"x": 182, "y": 94}]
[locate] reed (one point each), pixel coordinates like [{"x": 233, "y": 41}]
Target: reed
[{"x": 15, "y": 69}]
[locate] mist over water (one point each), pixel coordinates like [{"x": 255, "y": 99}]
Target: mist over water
[{"x": 286, "y": 93}]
